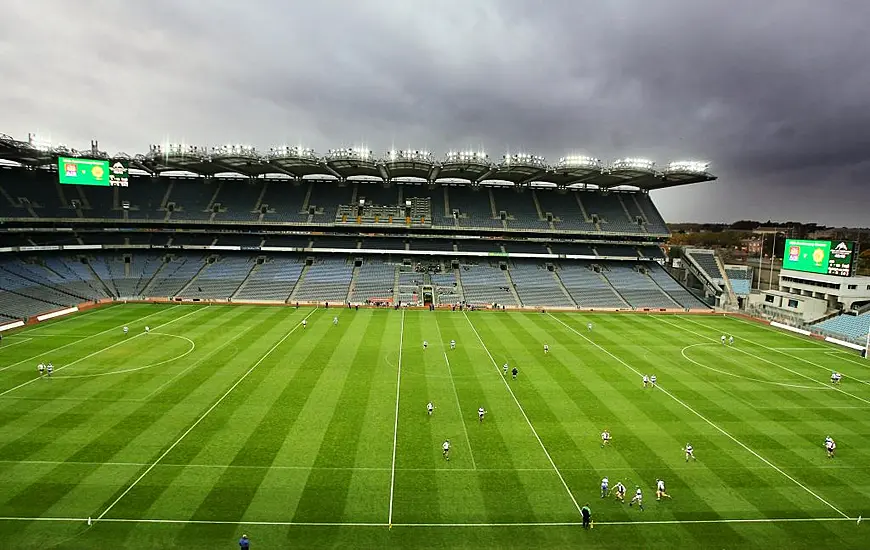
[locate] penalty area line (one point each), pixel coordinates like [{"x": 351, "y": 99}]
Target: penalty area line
[{"x": 431, "y": 525}]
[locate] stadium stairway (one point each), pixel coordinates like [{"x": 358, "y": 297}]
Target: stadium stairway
[
  {"x": 564, "y": 288},
  {"x": 110, "y": 289},
  {"x": 301, "y": 280},
  {"x": 186, "y": 287},
  {"x": 513, "y": 287},
  {"x": 354, "y": 274},
  {"x": 670, "y": 298},
  {"x": 729, "y": 289},
  {"x": 619, "y": 295},
  {"x": 396, "y": 286},
  {"x": 253, "y": 271}
]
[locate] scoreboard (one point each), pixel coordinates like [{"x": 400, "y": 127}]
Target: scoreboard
[
  {"x": 80, "y": 171},
  {"x": 824, "y": 257}
]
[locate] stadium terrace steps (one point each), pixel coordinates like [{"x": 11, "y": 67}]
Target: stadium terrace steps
[
  {"x": 534, "y": 285},
  {"x": 374, "y": 280},
  {"x": 589, "y": 289},
  {"x": 325, "y": 280},
  {"x": 220, "y": 279},
  {"x": 273, "y": 280},
  {"x": 636, "y": 288}
]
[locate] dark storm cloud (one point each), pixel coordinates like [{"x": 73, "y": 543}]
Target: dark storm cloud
[{"x": 773, "y": 93}]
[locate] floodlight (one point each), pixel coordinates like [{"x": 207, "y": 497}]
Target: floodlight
[
  {"x": 633, "y": 164},
  {"x": 578, "y": 161},
  {"x": 294, "y": 151},
  {"x": 524, "y": 159},
  {"x": 688, "y": 167}
]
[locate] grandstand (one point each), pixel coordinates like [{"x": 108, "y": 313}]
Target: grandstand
[{"x": 231, "y": 224}]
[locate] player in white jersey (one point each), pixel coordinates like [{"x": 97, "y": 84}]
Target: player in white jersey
[
  {"x": 589, "y": 327},
  {"x": 334, "y": 321},
  {"x": 723, "y": 339},
  {"x": 830, "y": 446},
  {"x": 126, "y": 330},
  {"x": 620, "y": 491},
  {"x": 452, "y": 344},
  {"x": 425, "y": 344},
  {"x": 546, "y": 348},
  {"x": 445, "y": 449},
  {"x": 505, "y": 368},
  {"x": 645, "y": 381},
  {"x": 731, "y": 340},
  {"x": 430, "y": 408},
  {"x": 604, "y": 485},
  {"x": 605, "y": 438},
  {"x": 480, "y": 413},
  {"x": 49, "y": 369},
  {"x": 638, "y": 498},
  {"x": 835, "y": 377},
  {"x": 147, "y": 329},
  {"x": 690, "y": 452},
  {"x": 660, "y": 489},
  {"x": 304, "y": 323},
  {"x": 652, "y": 380},
  {"x": 41, "y": 369}
]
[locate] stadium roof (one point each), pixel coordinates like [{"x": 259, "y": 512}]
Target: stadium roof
[{"x": 351, "y": 162}]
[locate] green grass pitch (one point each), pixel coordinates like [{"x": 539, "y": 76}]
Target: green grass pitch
[{"x": 227, "y": 420}]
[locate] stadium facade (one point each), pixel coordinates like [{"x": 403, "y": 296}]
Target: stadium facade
[{"x": 287, "y": 226}]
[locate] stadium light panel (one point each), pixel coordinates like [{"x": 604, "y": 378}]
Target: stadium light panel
[
  {"x": 688, "y": 166},
  {"x": 633, "y": 164},
  {"x": 579, "y": 161}
]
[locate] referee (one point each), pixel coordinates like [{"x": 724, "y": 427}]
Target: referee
[{"x": 587, "y": 516}]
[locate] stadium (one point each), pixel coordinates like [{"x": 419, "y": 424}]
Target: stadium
[{"x": 246, "y": 342}]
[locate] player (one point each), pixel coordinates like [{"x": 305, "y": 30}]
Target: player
[
  {"x": 49, "y": 369},
  {"x": 126, "y": 330},
  {"x": 660, "y": 489},
  {"x": 41, "y": 369},
  {"x": 546, "y": 348},
  {"x": 835, "y": 377},
  {"x": 505, "y": 368},
  {"x": 731, "y": 340},
  {"x": 430, "y": 408},
  {"x": 335, "y": 321},
  {"x": 589, "y": 327},
  {"x": 723, "y": 339},
  {"x": 605, "y": 438},
  {"x": 645, "y": 381},
  {"x": 480, "y": 413},
  {"x": 452, "y": 344},
  {"x": 604, "y": 484},
  {"x": 690, "y": 452},
  {"x": 147, "y": 329},
  {"x": 304, "y": 323},
  {"x": 425, "y": 344},
  {"x": 445, "y": 450},
  {"x": 620, "y": 491},
  {"x": 652, "y": 380},
  {"x": 514, "y": 372},
  {"x": 638, "y": 497},
  {"x": 830, "y": 446}
]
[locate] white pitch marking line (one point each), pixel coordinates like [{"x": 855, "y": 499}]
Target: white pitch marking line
[
  {"x": 456, "y": 394},
  {"x": 740, "y": 376},
  {"x": 135, "y": 369},
  {"x": 523, "y": 412},
  {"x": 396, "y": 423},
  {"x": 197, "y": 362},
  {"x": 802, "y": 338},
  {"x": 17, "y": 342},
  {"x": 705, "y": 419},
  {"x": 768, "y": 361},
  {"x": 427, "y": 525},
  {"x": 86, "y": 338},
  {"x": 32, "y": 380},
  {"x": 202, "y": 417},
  {"x": 380, "y": 469}
]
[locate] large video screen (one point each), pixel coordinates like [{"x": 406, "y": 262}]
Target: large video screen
[
  {"x": 825, "y": 257},
  {"x": 78, "y": 171}
]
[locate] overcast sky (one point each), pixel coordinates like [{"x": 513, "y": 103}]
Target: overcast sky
[{"x": 775, "y": 94}]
